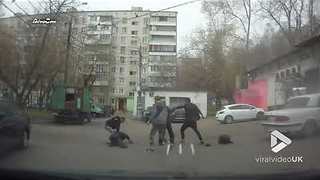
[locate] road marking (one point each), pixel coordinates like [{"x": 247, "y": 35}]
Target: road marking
[
  {"x": 192, "y": 149},
  {"x": 180, "y": 149},
  {"x": 168, "y": 149}
]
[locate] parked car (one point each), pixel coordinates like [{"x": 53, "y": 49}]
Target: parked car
[
  {"x": 300, "y": 114},
  {"x": 239, "y": 112},
  {"x": 72, "y": 117},
  {"x": 15, "y": 127},
  {"x": 97, "y": 111}
]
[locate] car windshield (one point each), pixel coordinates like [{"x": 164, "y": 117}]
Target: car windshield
[
  {"x": 164, "y": 87},
  {"x": 301, "y": 102}
]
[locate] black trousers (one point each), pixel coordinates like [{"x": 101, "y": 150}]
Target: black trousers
[
  {"x": 170, "y": 132},
  {"x": 193, "y": 126}
]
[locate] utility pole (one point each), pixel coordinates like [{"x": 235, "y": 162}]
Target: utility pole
[
  {"x": 140, "y": 103},
  {"x": 66, "y": 63}
]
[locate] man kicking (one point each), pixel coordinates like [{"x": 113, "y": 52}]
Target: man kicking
[{"x": 193, "y": 114}]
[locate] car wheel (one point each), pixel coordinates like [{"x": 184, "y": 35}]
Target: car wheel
[
  {"x": 24, "y": 140},
  {"x": 260, "y": 115},
  {"x": 309, "y": 128},
  {"x": 228, "y": 119}
]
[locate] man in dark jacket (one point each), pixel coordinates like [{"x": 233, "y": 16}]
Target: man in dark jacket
[
  {"x": 117, "y": 138},
  {"x": 193, "y": 114},
  {"x": 114, "y": 123}
]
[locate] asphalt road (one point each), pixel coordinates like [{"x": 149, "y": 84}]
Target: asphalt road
[{"x": 83, "y": 148}]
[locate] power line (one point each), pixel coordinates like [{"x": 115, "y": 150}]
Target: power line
[
  {"x": 171, "y": 7},
  {"x": 19, "y": 17},
  {"x": 25, "y": 12}
]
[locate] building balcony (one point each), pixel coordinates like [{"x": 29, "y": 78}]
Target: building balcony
[
  {"x": 99, "y": 32},
  {"x": 163, "y": 42},
  {"x": 97, "y": 41},
  {"x": 101, "y": 83},
  {"x": 163, "y": 23},
  {"x": 163, "y": 33},
  {"x": 105, "y": 23},
  {"x": 162, "y": 53}
]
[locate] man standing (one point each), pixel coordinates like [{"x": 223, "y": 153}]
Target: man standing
[
  {"x": 193, "y": 114},
  {"x": 158, "y": 120}
]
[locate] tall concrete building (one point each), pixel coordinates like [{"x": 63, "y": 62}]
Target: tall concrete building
[
  {"x": 130, "y": 49},
  {"x": 124, "y": 50}
]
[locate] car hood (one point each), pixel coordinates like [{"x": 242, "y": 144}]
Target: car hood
[{"x": 294, "y": 112}]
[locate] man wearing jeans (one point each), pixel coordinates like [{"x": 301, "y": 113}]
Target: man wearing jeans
[{"x": 158, "y": 120}]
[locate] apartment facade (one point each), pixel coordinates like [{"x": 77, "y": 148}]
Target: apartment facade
[{"x": 129, "y": 49}]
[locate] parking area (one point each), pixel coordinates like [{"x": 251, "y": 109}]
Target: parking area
[{"x": 84, "y": 148}]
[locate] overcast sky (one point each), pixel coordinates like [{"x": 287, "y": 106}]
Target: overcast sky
[{"x": 189, "y": 16}]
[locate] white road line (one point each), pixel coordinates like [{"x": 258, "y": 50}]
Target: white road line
[
  {"x": 180, "y": 149},
  {"x": 168, "y": 149},
  {"x": 192, "y": 149}
]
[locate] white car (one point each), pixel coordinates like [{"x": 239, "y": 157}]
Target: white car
[
  {"x": 300, "y": 114},
  {"x": 238, "y": 112}
]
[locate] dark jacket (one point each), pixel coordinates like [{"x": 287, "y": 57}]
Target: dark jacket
[
  {"x": 114, "y": 123},
  {"x": 192, "y": 111}
]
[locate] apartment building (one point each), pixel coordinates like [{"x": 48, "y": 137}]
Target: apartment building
[
  {"x": 124, "y": 50},
  {"x": 130, "y": 49}
]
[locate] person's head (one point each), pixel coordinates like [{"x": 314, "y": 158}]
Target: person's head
[
  {"x": 188, "y": 100},
  {"x": 157, "y": 99}
]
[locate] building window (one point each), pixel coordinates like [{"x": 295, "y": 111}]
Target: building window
[
  {"x": 162, "y": 48},
  {"x": 113, "y": 69},
  {"x": 146, "y": 21},
  {"x": 105, "y": 36},
  {"x": 105, "y": 18},
  {"x": 122, "y": 59},
  {"x": 124, "y": 20},
  {"x": 145, "y": 30},
  {"x": 132, "y": 73},
  {"x": 282, "y": 75},
  {"x": 121, "y": 70},
  {"x": 132, "y": 83},
  {"x": 123, "y": 39},
  {"x": 113, "y": 91},
  {"x": 134, "y": 42},
  {"x": 92, "y": 18},
  {"x": 133, "y": 62},
  {"x": 121, "y": 90},
  {"x": 92, "y": 28},
  {"x": 134, "y": 52},
  {"x": 105, "y": 27},
  {"x": 134, "y": 23},
  {"x": 163, "y": 18},
  {"x": 122, "y": 50},
  {"x": 124, "y": 30},
  {"x": 134, "y": 32},
  {"x": 277, "y": 77},
  {"x": 121, "y": 80},
  {"x": 288, "y": 73},
  {"x": 131, "y": 93}
]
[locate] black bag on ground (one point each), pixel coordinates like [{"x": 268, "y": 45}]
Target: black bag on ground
[{"x": 224, "y": 139}]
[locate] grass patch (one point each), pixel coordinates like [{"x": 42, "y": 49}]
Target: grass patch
[{"x": 39, "y": 114}]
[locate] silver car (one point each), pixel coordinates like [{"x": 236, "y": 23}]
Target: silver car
[{"x": 300, "y": 114}]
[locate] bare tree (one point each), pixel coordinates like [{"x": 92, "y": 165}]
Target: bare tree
[
  {"x": 23, "y": 75},
  {"x": 289, "y": 15},
  {"x": 231, "y": 11}
]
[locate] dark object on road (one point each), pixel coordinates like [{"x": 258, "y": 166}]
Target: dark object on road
[
  {"x": 118, "y": 138},
  {"x": 14, "y": 127},
  {"x": 72, "y": 117},
  {"x": 207, "y": 144},
  {"x": 224, "y": 139}
]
